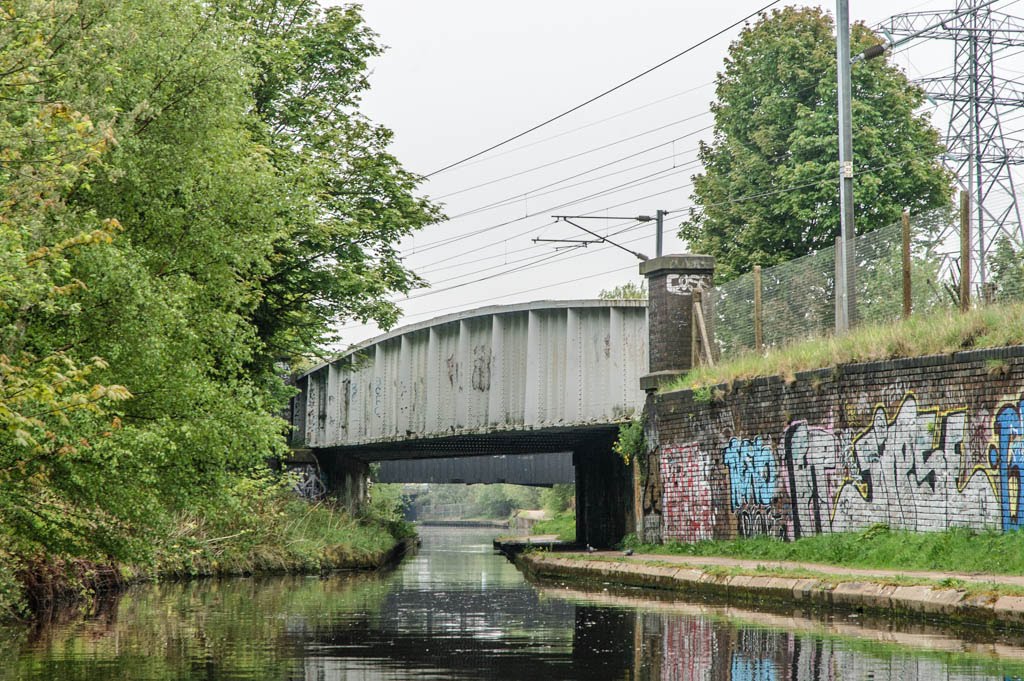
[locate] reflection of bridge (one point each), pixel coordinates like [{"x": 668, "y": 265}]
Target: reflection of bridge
[{"x": 534, "y": 378}]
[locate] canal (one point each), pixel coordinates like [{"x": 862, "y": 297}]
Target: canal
[{"x": 457, "y": 611}]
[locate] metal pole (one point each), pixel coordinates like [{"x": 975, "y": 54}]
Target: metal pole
[
  {"x": 906, "y": 265},
  {"x": 661, "y": 234},
  {"x": 848, "y": 310}
]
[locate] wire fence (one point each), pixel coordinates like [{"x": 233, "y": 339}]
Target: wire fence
[{"x": 797, "y": 298}]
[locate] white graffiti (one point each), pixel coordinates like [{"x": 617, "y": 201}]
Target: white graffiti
[{"x": 679, "y": 284}]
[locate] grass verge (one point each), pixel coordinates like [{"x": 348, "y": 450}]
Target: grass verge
[
  {"x": 264, "y": 527},
  {"x": 256, "y": 526},
  {"x": 955, "y": 550},
  {"x": 940, "y": 332},
  {"x": 563, "y": 525}
]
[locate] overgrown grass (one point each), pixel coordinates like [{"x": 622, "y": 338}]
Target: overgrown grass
[
  {"x": 563, "y": 525},
  {"x": 937, "y": 333},
  {"x": 268, "y": 529},
  {"x": 956, "y": 550}
]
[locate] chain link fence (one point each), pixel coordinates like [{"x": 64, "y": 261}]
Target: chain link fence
[{"x": 797, "y": 298}]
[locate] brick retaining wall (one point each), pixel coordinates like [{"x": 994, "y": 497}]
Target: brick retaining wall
[{"x": 921, "y": 444}]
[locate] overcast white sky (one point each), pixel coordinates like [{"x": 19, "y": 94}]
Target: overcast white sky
[{"x": 460, "y": 75}]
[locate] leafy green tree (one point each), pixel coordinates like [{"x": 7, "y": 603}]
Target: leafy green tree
[
  {"x": 172, "y": 219},
  {"x": 558, "y": 498},
  {"x": 1007, "y": 267},
  {"x": 769, "y": 190},
  {"x": 627, "y": 291},
  {"x": 337, "y": 257}
]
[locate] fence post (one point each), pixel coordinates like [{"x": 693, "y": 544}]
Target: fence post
[
  {"x": 906, "y": 264},
  {"x": 965, "y": 251},
  {"x": 758, "y": 318}
]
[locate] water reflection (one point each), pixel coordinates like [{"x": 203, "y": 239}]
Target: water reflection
[{"x": 456, "y": 611}]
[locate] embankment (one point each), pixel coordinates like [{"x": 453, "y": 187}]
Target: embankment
[{"x": 946, "y": 599}]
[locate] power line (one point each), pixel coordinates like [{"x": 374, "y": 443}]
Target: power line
[
  {"x": 536, "y": 192},
  {"x": 605, "y": 93},
  {"x": 592, "y": 150},
  {"x": 612, "y": 190},
  {"x": 591, "y": 124}
]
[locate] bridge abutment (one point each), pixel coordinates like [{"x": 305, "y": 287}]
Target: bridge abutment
[
  {"x": 344, "y": 478},
  {"x": 604, "y": 495}
]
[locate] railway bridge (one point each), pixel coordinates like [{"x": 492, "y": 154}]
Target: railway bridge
[{"x": 533, "y": 379}]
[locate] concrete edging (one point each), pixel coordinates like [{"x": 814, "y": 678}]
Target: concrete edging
[{"x": 946, "y": 605}]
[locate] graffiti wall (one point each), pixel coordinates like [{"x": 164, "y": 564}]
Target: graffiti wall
[{"x": 915, "y": 448}]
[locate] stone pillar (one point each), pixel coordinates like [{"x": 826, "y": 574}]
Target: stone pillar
[{"x": 671, "y": 281}]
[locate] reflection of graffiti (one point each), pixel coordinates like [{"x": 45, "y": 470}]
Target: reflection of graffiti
[
  {"x": 751, "y": 467},
  {"x": 1005, "y": 456},
  {"x": 688, "y": 649},
  {"x": 689, "y": 511}
]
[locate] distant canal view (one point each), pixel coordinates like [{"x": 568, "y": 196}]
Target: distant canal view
[{"x": 457, "y": 611}]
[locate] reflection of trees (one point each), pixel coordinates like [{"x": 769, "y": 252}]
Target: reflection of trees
[{"x": 231, "y": 628}]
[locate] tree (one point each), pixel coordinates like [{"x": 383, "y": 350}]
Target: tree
[
  {"x": 769, "y": 190},
  {"x": 337, "y": 258},
  {"x": 628, "y": 291}
]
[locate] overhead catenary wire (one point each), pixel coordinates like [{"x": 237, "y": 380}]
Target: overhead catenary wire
[
  {"x": 592, "y": 124},
  {"x": 592, "y": 150},
  {"x": 607, "y": 92}
]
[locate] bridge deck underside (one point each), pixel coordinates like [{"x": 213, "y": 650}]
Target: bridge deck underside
[{"x": 540, "y": 441}]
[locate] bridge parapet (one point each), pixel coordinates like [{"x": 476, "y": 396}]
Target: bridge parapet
[{"x": 529, "y": 366}]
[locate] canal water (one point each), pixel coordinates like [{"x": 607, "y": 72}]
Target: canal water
[{"x": 458, "y": 611}]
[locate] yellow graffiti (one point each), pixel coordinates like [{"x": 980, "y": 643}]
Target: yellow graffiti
[{"x": 935, "y": 427}]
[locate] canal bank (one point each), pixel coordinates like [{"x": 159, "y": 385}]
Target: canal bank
[
  {"x": 456, "y": 610},
  {"x": 940, "y": 597}
]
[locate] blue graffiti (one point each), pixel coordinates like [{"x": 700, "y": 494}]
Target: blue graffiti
[
  {"x": 752, "y": 472},
  {"x": 747, "y": 669},
  {"x": 1006, "y": 457}
]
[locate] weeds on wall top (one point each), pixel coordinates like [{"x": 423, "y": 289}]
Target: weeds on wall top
[{"x": 631, "y": 443}]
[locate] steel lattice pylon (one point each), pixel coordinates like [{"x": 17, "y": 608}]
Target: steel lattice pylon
[{"x": 977, "y": 151}]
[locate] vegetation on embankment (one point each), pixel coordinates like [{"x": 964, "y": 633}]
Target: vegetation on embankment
[
  {"x": 940, "y": 332},
  {"x": 190, "y": 203},
  {"x": 261, "y": 527},
  {"x": 563, "y": 525},
  {"x": 878, "y": 547},
  {"x": 269, "y": 529}
]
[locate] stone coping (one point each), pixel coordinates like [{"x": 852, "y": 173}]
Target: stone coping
[{"x": 830, "y": 587}]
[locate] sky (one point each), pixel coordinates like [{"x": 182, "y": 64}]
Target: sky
[{"x": 461, "y": 75}]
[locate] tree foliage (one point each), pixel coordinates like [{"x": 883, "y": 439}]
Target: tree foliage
[
  {"x": 769, "y": 190},
  {"x": 188, "y": 196},
  {"x": 627, "y": 291}
]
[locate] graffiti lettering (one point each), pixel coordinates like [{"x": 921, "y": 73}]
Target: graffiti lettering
[
  {"x": 1005, "y": 457},
  {"x": 689, "y": 509},
  {"x": 752, "y": 476}
]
